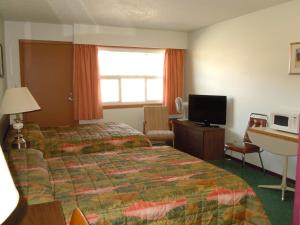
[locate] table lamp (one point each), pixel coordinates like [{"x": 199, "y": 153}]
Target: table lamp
[
  {"x": 16, "y": 101},
  {"x": 8, "y": 193}
]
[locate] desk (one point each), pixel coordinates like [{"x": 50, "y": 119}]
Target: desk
[{"x": 276, "y": 142}]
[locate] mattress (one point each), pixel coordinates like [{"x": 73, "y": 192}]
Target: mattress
[
  {"x": 144, "y": 185},
  {"x": 78, "y": 139},
  {"x": 105, "y": 136}
]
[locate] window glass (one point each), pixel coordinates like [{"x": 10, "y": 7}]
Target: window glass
[
  {"x": 133, "y": 90},
  {"x": 110, "y": 90},
  {"x": 116, "y": 63},
  {"x": 154, "y": 89},
  {"x": 131, "y": 75}
]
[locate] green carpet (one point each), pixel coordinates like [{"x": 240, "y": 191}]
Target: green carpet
[{"x": 279, "y": 212}]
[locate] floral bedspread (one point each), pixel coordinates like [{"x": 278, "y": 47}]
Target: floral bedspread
[
  {"x": 67, "y": 140},
  {"x": 149, "y": 185}
]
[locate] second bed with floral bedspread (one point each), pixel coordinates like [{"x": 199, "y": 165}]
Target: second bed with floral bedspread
[
  {"x": 78, "y": 139},
  {"x": 89, "y": 138},
  {"x": 150, "y": 185}
]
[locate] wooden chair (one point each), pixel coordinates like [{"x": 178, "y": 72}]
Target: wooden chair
[
  {"x": 78, "y": 218},
  {"x": 156, "y": 124},
  {"x": 255, "y": 120}
]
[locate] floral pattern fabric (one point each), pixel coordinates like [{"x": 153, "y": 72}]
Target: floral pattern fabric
[
  {"x": 69, "y": 140},
  {"x": 31, "y": 176},
  {"x": 147, "y": 185},
  {"x": 106, "y": 136}
]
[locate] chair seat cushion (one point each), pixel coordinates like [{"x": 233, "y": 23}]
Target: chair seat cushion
[
  {"x": 160, "y": 135},
  {"x": 244, "y": 148}
]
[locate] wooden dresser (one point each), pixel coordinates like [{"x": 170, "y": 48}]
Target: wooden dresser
[{"x": 203, "y": 142}]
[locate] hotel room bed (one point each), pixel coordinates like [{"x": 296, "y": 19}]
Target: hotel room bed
[
  {"x": 134, "y": 186},
  {"x": 67, "y": 140}
]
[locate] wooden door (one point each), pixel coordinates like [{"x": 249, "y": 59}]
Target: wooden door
[{"x": 46, "y": 69}]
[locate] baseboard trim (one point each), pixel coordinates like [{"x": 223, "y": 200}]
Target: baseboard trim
[{"x": 289, "y": 180}]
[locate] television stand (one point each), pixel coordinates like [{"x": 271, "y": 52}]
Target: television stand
[
  {"x": 200, "y": 141},
  {"x": 204, "y": 124}
]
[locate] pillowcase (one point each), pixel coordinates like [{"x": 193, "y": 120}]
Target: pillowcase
[{"x": 30, "y": 173}]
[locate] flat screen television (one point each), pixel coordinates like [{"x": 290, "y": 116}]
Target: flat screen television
[{"x": 207, "y": 109}]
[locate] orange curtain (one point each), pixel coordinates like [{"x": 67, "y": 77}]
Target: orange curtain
[
  {"x": 86, "y": 83},
  {"x": 173, "y": 77}
]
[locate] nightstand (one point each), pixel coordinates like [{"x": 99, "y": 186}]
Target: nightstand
[{"x": 49, "y": 213}]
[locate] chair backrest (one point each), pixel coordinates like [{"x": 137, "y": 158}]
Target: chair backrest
[
  {"x": 78, "y": 218},
  {"x": 156, "y": 118},
  {"x": 255, "y": 120}
]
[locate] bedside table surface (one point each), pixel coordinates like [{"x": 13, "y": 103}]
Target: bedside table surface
[{"x": 49, "y": 213}]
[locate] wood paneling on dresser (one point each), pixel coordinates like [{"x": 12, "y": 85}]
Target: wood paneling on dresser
[{"x": 203, "y": 142}]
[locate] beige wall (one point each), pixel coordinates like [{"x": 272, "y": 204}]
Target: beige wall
[
  {"x": 246, "y": 58},
  {"x": 132, "y": 116},
  {"x": 2, "y": 80},
  {"x": 122, "y": 36}
]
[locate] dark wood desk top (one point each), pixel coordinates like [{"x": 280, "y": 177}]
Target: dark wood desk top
[{"x": 50, "y": 213}]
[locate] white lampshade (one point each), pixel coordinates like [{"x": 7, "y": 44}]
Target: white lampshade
[
  {"x": 8, "y": 193},
  {"x": 18, "y": 100}
]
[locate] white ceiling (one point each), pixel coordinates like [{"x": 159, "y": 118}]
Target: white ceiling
[{"x": 181, "y": 15}]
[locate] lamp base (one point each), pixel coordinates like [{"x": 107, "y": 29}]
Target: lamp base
[{"x": 19, "y": 142}]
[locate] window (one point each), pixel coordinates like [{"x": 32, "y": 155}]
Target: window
[{"x": 130, "y": 75}]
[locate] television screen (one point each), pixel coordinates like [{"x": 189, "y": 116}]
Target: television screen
[{"x": 207, "y": 109}]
